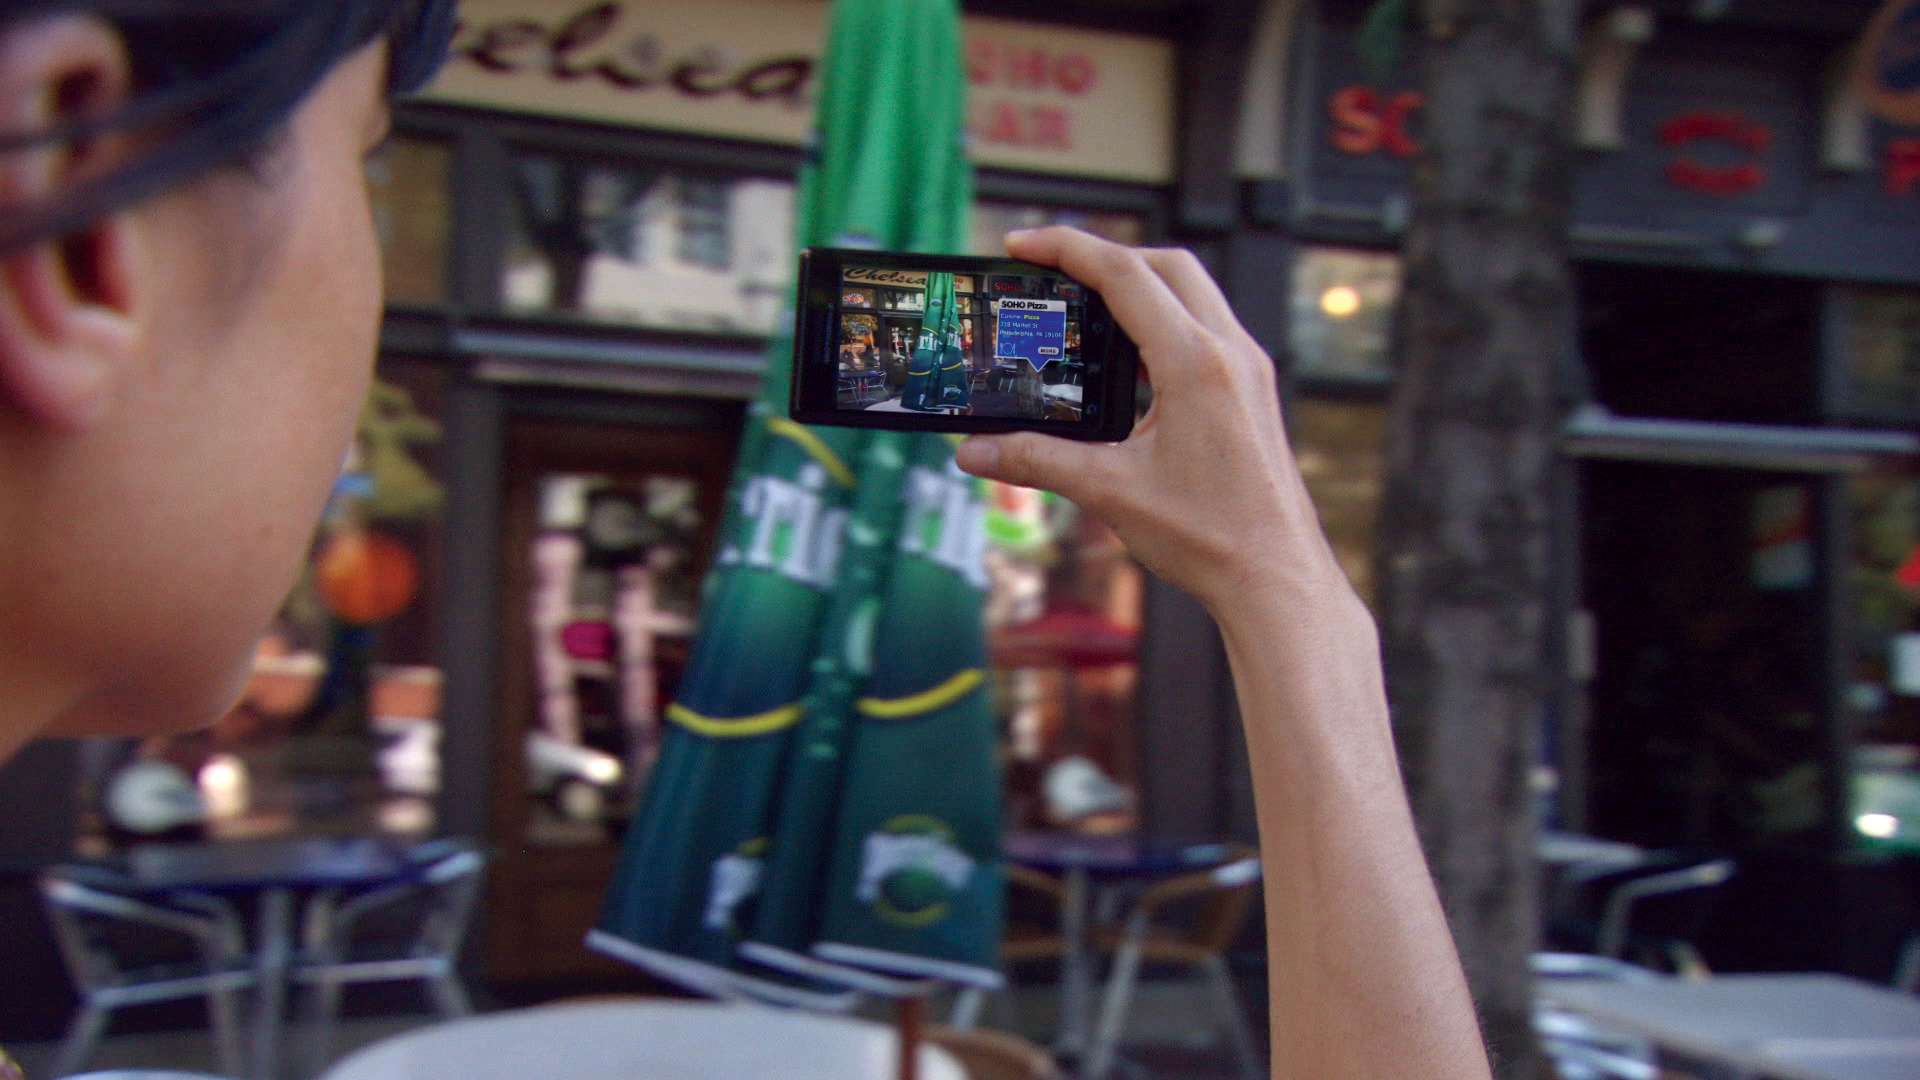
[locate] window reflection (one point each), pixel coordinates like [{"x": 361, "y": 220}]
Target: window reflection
[
  {"x": 993, "y": 220},
  {"x": 1063, "y": 612},
  {"x": 1341, "y": 321},
  {"x": 1339, "y": 448},
  {"x": 1063, "y": 615},
  {"x": 1882, "y": 366},
  {"x": 648, "y": 246},
  {"x": 1885, "y": 692},
  {"x": 612, "y": 608},
  {"x": 407, "y": 182}
]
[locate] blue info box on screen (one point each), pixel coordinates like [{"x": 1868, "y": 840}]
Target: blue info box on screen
[{"x": 1032, "y": 330}]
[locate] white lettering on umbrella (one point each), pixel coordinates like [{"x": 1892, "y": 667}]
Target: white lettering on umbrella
[
  {"x": 945, "y": 522},
  {"x": 794, "y": 533},
  {"x": 886, "y": 854},
  {"x": 735, "y": 877}
]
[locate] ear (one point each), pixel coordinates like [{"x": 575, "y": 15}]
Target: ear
[{"x": 70, "y": 314}]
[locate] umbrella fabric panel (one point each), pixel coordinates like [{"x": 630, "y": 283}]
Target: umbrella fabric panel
[
  {"x": 915, "y": 881},
  {"x": 922, "y": 391},
  {"x": 890, "y": 172},
  {"x": 890, "y": 163},
  {"x": 690, "y": 864},
  {"x": 952, "y": 389},
  {"x": 789, "y": 907}
]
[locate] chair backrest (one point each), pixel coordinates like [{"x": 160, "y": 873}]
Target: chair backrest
[
  {"x": 103, "y": 933},
  {"x": 993, "y": 1055},
  {"x": 1616, "y": 917},
  {"x": 1223, "y": 910},
  {"x": 1218, "y": 900},
  {"x": 451, "y": 877}
]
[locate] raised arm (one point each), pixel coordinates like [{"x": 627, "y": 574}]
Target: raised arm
[{"x": 1364, "y": 980}]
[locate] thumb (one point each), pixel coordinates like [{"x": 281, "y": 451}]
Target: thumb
[{"x": 1029, "y": 459}]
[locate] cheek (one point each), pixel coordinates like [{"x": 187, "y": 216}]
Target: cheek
[{"x": 274, "y": 412}]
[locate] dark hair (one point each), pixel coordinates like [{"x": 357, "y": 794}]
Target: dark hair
[{"x": 218, "y": 77}]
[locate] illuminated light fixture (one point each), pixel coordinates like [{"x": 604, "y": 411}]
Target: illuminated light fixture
[
  {"x": 602, "y": 770},
  {"x": 1878, "y": 826},
  {"x": 1340, "y": 301},
  {"x": 224, "y": 786}
]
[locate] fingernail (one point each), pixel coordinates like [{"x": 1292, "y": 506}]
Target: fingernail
[
  {"x": 977, "y": 456},
  {"x": 1016, "y": 234}
]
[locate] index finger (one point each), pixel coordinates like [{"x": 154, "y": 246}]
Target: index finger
[{"x": 1140, "y": 299}]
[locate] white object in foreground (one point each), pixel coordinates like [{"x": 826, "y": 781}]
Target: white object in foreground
[
  {"x": 1786, "y": 1027},
  {"x": 644, "y": 1040}
]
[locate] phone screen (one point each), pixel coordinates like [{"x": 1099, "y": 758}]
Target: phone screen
[
  {"x": 956, "y": 343},
  {"x": 1003, "y": 346}
]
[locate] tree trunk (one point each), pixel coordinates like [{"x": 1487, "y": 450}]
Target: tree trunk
[{"x": 1487, "y": 313}]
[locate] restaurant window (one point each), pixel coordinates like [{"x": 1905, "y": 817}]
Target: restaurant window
[
  {"x": 1339, "y": 446},
  {"x": 1063, "y": 615},
  {"x": 993, "y": 220},
  {"x": 1341, "y": 315},
  {"x": 1884, "y": 693},
  {"x": 612, "y": 602},
  {"x": 338, "y": 728},
  {"x": 407, "y": 182},
  {"x": 703, "y": 223},
  {"x": 1880, "y": 366},
  {"x": 647, "y": 246}
]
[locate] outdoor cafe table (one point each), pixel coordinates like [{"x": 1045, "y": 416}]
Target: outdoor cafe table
[
  {"x": 276, "y": 872},
  {"x": 1776, "y": 1027},
  {"x": 644, "y": 1040},
  {"x": 1079, "y": 858}
]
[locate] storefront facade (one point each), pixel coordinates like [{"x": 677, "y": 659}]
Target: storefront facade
[
  {"x": 1737, "y": 497},
  {"x": 618, "y": 185}
]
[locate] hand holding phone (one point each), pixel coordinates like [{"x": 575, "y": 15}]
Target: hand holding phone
[
  {"x": 957, "y": 343},
  {"x": 1205, "y": 491}
]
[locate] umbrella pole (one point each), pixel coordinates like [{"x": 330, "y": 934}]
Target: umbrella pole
[{"x": 909, "y": 1015}]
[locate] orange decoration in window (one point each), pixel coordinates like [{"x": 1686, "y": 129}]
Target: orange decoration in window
[{"x": 366, "y": 577}]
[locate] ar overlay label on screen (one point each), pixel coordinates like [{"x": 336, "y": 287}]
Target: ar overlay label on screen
[{"x": 1032, "y": 330}]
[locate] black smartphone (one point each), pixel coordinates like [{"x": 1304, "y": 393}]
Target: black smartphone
[{"x": 886, "y": 339}]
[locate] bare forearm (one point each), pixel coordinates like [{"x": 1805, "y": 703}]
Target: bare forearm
[
  {"x": 1365, "y": 984},
  {"x": 1363, "y": 978}
]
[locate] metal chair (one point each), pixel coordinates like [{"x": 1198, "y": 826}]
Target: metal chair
[
  {"x": 405, "y": 932},
  {"x": 1580, "y": 1049},
  {"x": 993, "y": 1055},
  {"x": 1222, "y": 897},
  {"x": 1021, "y": 943},
  {"x": 1623, "y": 925},
  {"x": 124, "y": 949}
]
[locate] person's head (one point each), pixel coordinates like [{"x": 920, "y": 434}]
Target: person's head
[{"x": 189, "y": 298}]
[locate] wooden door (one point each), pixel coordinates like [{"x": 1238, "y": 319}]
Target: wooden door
[{"x": 607, "y": 530}]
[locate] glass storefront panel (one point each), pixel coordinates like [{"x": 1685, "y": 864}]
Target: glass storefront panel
[
  {"x": 992, "y": 221},
  {"x": 409, "y": 182},
  {"x": 1063, "y": 619},
  {"x": 1881, "y": 370},
  {"x": 1060, "y": 578},
  {"x": 613, "y": 597},
  {"x": 1341, "y": 314},
  {"x": 1885, "y": 690},
  {"x": 646, "y": 246},
  {"x": 1340, "y": 448}
]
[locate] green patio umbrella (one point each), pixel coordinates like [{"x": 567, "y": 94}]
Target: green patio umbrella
[
  {"x": 739, "y": 823},
  {"x": 937, "y": 375}
]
